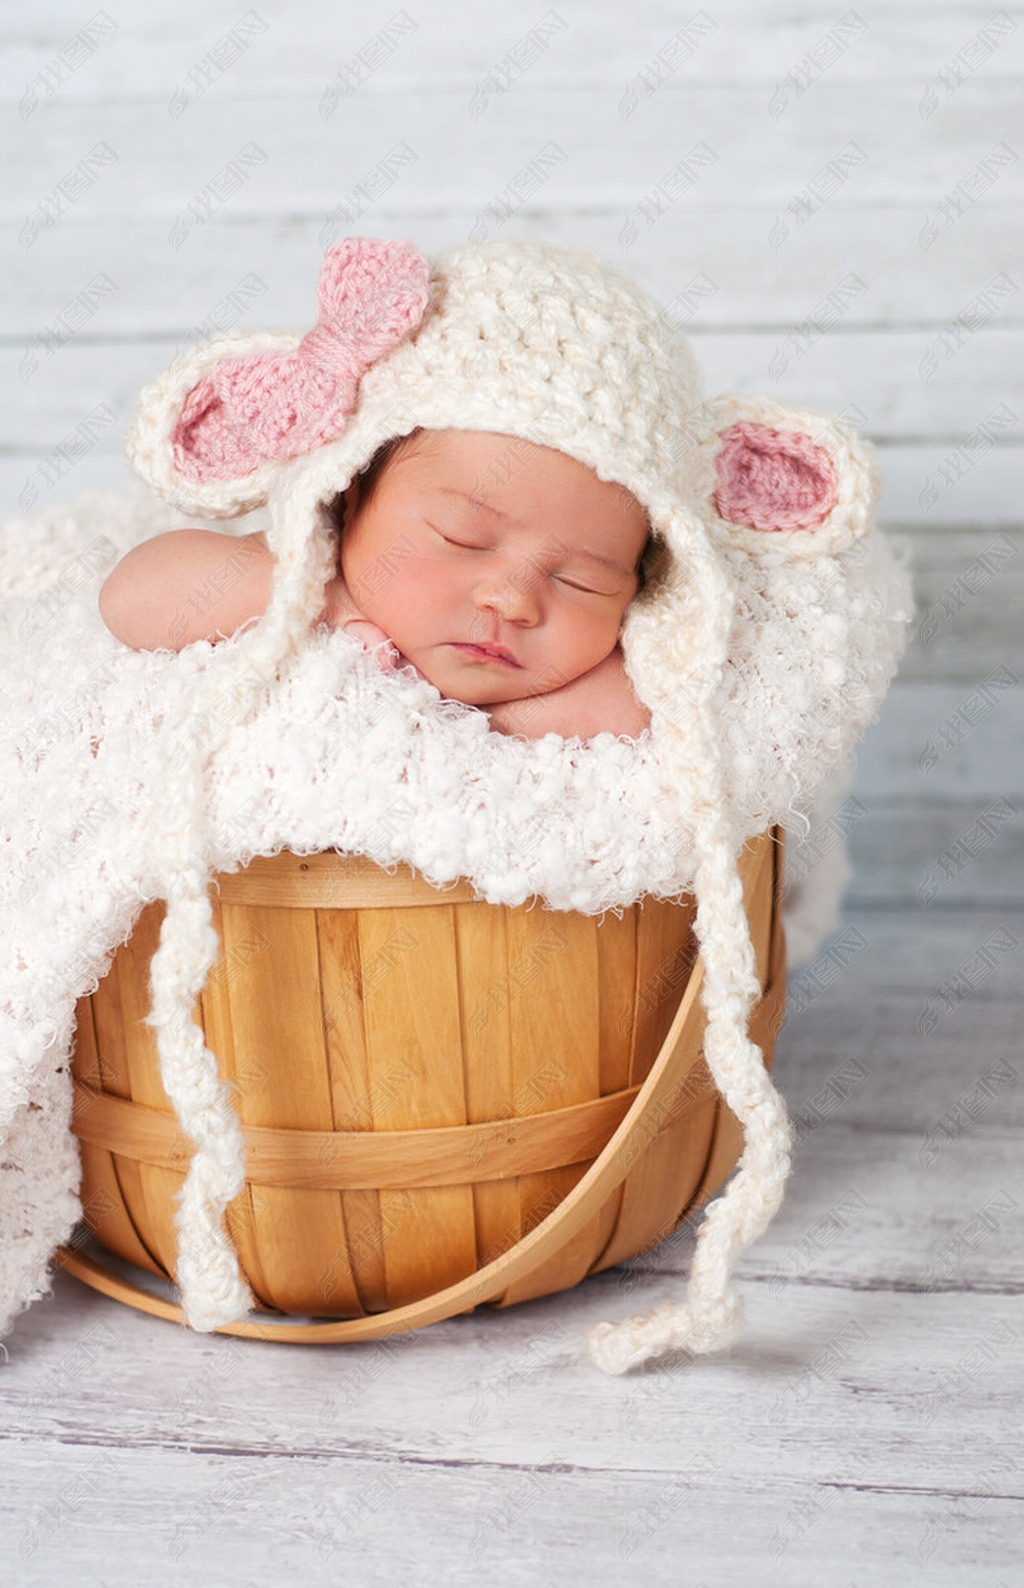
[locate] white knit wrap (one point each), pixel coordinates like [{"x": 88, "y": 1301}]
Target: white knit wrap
[{"x": 762, "y": 656}]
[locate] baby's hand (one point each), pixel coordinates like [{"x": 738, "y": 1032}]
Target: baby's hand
[
  {"x": 341, "y": 612},
  {"x": 600, "y": 701}
]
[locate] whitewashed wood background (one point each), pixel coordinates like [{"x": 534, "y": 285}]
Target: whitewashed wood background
[{"x": 839, "y": 192}]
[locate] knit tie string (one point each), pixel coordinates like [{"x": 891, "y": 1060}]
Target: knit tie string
[{"x": 710, "y": 1316}]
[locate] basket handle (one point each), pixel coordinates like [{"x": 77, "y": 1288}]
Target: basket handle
[{"x": 676, "y": 1057}]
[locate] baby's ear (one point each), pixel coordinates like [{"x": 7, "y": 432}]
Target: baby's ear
[
  {"x": 772, "y": 477},
  {"x": 212, "y": 432}
]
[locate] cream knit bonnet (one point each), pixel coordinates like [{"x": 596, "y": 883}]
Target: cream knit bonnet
[{"x": 550, "y": 345}]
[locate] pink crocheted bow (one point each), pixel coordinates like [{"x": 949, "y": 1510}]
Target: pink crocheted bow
[
  {"x": 255, "y": 406},
  {"x": 773, "y": 479}
]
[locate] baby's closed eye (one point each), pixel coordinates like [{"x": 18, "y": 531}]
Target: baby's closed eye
[{"x": 534, "y": 569}]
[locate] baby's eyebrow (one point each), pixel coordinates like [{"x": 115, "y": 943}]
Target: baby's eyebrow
[
  {"x": 605, "y": 562},
  {"x": 477, "y": 502}
]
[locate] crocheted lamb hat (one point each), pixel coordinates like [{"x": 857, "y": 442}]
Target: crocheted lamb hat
[{"x": 550, "y": 345}]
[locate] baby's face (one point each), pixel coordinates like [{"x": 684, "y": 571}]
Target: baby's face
[{"x": 499, "y": 567}]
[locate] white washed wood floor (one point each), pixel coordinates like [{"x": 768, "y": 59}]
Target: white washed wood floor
[{"x": 865, "y": 1432}]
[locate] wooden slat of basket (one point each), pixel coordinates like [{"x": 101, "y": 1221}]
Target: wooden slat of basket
[
  {"x": 666, "y": 953},
  {"x": 615, "y": 944},
  {"x": 313, "y": 1160},
  {"x": 616, "y": 978},
  {"x": 412, "y": 1017},
  {"x": 556, "y": 1047},
  {"x": 272, "y": 987},
  {"x": 332, "y": 881},
  {"x": 106, "y": 1210},
  {"x": 481, "y": 940},
  {"x": 123, "y": 1004},
  {"x": 666, "y": 950},
  {"x": 341, "y": 980},
  {"x": 617, "y": 975},
  {"x": 617, "y": 969}
]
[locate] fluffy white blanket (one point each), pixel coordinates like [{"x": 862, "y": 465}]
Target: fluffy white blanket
[{"x": 341, "y": 756}]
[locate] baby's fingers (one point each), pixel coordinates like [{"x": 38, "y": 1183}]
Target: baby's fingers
[
  {"x": 373, "y": 638},
  {"x": 387, "y": 655}
]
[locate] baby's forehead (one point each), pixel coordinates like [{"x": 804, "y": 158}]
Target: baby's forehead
[
  {"x": 506, "y": 453},
  {"x": 498, "y": 459}
]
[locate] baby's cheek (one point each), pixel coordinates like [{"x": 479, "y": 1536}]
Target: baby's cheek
[
  {"x": 585, "y": 638},
  {"x": 390, "y": 600}
]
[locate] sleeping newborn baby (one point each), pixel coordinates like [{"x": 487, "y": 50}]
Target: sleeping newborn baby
[{"x": 499, "y": 569}]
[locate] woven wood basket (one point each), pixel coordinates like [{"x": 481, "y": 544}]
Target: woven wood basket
[{"x": 445, "y": 1102}]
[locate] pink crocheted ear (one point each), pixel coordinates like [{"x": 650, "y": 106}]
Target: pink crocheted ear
[
  {"x": 773, "y": 479},
  {"x": 278, "y": 404}
]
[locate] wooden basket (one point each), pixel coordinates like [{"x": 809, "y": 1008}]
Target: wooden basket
[{"x": 445, "y": 1102}]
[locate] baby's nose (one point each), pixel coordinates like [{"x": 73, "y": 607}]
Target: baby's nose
[{"x": 513, "y": 595}]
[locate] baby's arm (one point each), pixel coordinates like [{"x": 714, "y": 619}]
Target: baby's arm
[
  {"x": 185, "y": 585},
  {"x": 196, "y": 584},
  {"x": 601, "y": 701}
]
